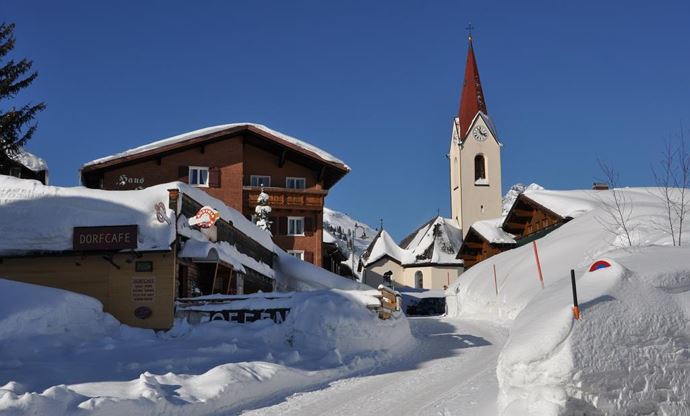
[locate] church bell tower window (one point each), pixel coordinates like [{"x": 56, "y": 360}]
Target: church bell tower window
[{"x": 480, "y": 170}]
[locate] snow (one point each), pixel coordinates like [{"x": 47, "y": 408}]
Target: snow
[
  {"x": 295, "y": 274},
  {"x": 628, "y": 354},
  {"x": 444, "y": 235},
  {"x": 336, "y": 226},
  {"x": 515, "y": 191},
  {"x": 493, "y": 233},
  {"x": 386, "y": 246},
  {"x": 215, "y": 129},
  {"x": 30, "y": 161},
  {"x": 66, "y": 357},
  {"x": 53, "y": 212},
  {"x": 440, "y": 234}
]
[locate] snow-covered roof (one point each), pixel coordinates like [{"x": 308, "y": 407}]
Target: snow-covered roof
[
  {"x": 180, "y": 138},
  {"x": 492, "y": 232},
  {"x": 206, "y": 250},
  {"x": 30, "y": 161},
  {"x": 567, "y": 204},
  {"x": 515, "y": 191},
  {"x": 382, "y": 246},
  {"x": 35, "y": 217},
  {"x": 437, "y": 241}
]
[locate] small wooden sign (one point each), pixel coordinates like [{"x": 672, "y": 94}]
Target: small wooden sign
[
  {"x": 143, "y": 289},
  {"x": 117, "y": 237}
]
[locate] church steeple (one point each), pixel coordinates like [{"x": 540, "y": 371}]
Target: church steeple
[{"x": 472, "y": 98}]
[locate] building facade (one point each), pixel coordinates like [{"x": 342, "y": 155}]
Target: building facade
[{"x": 233, "y": 163}]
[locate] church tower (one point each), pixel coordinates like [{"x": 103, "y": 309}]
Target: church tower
[{"x": 475, "y": 155}]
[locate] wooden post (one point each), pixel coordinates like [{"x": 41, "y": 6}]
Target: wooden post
[
  {"x": 495, "y": 281},
  {"x": 576, "y": 307},
  {"x": 215, "y": 275},
  {"x": 536, "y": 256}
]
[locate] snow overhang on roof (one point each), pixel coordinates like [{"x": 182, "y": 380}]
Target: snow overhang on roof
[
  {"x": 30, "y": 161},
  {"x": 492, "y": 232}
]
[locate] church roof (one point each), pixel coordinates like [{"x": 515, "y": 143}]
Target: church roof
[
  {"x": 472, "y": 97},
  {"x": 382, "y": 246},
  {"x": 436, "y": 242}
]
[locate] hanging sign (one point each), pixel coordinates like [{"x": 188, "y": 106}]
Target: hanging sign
[
  {"x": 161, "y": 214},
  {"x": 205, "y": 217},
  {"x": 118, "y": 237}
]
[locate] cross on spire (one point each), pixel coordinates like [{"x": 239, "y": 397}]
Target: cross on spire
[{"x": 469, "y": 29}]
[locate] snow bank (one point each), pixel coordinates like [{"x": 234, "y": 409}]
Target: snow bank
[
  {"x": 629, "y": 352},
  {"x": 214, "y": 368},
  {"x": 28, "y": 310}
]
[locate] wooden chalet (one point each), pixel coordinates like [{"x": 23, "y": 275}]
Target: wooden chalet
[
  {"x": 483, "y": 240},
  {"x": 528, "y": 220},
  {"x": 233, "y": 163}
]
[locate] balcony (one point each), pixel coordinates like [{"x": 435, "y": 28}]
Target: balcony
[{"x": 286, "y": 198}]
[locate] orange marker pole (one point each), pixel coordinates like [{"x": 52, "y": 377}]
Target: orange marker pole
[
  {"x": 576, "y": 307},
  {"x": 536, "y": 256},
  {"x": 495, "y": 282}
]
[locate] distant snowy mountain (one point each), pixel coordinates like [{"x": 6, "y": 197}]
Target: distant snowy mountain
[
  {"x": 514, "y": 191},
  {"x": 336, "y": 229}
]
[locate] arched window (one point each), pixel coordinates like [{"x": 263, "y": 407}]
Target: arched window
[
  {"x": 418, "y": 279},
  {"x": 479, "y": 167}
]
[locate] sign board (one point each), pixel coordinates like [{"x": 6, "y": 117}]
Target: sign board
[
  {"x": 143, "y": 289},
  {"x": 205, "y": 217},
  {"x": 242, "y": 316},
  {"x": 117, "y": 237}
]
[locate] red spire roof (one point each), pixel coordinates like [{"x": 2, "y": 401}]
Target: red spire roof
[{"x": 472, "y": 98}]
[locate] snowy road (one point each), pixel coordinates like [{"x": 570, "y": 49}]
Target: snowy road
[{"x": 452, "y": 372}]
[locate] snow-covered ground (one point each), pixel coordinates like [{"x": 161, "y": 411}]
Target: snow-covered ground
[
  {"x": 62, "y": 355},
  {"x": 630, "y": 352}
]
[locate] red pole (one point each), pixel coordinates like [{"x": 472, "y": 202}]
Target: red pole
[
  {"x": 495, "y": 283},
  {"x": 536, "y": 256}
]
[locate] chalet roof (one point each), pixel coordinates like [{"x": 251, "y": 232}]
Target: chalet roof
[
  {"x": 472, "y": 96},
  {"x": 209, "y": 133},
  {"x": 436, "y": 242}
]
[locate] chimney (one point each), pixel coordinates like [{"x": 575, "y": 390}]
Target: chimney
[{"x": 600, "y": 186}]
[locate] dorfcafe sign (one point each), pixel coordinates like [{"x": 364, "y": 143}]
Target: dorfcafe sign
[{"x": 116, "y": 237}]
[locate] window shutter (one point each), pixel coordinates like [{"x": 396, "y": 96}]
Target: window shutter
[
  {"x": 309, "y": 257},
  {"x": 214, "y": 177},
  {"x": 282, "y": 226},
  {"x": 308, "y": 226},
  {"x": 183, "y": 174}
]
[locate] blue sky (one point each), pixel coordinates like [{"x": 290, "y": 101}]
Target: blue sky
[{"x": 375, "y": 83}]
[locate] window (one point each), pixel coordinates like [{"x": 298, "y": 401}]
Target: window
[
  {"x": 260, "y": 180},
  {"x": 16, "y": 172},
  {"x": 295, "y": 225},
  {"x": 297, "y": 253},
  {"x": 480, "y": 170},
  {"x": 198, "y": 176},
  {"x": 418, "y": 279},
  {"x": 295, "y": 183}
]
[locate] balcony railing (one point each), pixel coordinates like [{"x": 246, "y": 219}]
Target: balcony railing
[{"x": 286, "y": 197}]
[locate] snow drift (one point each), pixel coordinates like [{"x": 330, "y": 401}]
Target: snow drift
[
  {"x": 62, "y": 355},
  {"x": 629, "y": 352}
]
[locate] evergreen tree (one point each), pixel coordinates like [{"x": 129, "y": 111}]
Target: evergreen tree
[{"x": 15, "y": 123}]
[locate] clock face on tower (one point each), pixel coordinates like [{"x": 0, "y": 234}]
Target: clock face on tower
[{"x": 480, "y": 133}]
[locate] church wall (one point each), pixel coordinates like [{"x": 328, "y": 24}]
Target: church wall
[
  {"x": 434, "y": 277},
  {"x": 373, "y": 274},
  {"x": 454, "y": 160}
]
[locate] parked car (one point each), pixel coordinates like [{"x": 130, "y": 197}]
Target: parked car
[{"x": 427, "y": 306}]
